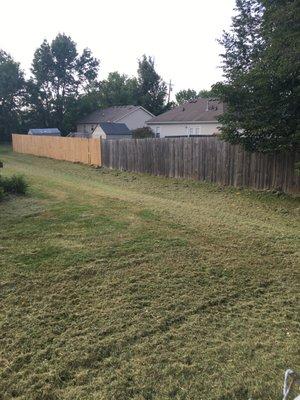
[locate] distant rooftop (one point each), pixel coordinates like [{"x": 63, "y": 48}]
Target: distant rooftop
[
  {"x": 111, "y": 114},
  {"x": 198, "y": 110},
  {"x": 45, "y": 132},
  {"x": 111, "y": 128}
]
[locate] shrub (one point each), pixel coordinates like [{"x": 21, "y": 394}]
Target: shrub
[
  {"x": 1, "y": 193},
  {"x": 142, "y": 133},
  {"x": 15, "y": 184}
]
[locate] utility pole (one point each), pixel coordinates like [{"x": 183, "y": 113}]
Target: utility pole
[{"x": 170, "y": 88}]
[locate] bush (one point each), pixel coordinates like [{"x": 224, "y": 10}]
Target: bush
[
  {"x": 142, "y": 133},
  {"x": 15, "y": 184},
  {"x": 1, "y": 193}
]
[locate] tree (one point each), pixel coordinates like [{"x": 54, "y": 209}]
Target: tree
[
  {"x": 244, "y": 43},
  {"x": 191, "y": 94},
  {"x": 262, "y": 71},
  {"x": 118, "y": 90},
  {"x": 11, "y": 95},
  {"x": 207, "y": 93},
  {"x": 152, "y": 90},
  {"x": 186, "y": 95},
  {"x": 60, "y": 77}
]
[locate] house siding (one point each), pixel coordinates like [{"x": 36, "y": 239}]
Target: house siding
[
  {"x": 99, "y": 133},
  {"x": 136, "y": 119},
  {"x": 86, "y": 128},
  {"x": 183, "y": 129}
]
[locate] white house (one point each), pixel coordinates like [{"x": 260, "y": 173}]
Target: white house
[
  {"x": 133, "y": 116},
  {"x": 194, "y": 118}
]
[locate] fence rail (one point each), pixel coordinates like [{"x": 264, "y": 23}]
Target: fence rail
[
  {"x": 205, "y": 159},
  {"x": 86, "y": 151}
]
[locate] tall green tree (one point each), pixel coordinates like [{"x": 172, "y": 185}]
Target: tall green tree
[
  {"x": 60, "y": 76},
  {"x": 11, "y": 95},
  {"x": 262, "y": 69},
  {"x": 118, "y": 90},
  {"x": 152, "y": 90}
]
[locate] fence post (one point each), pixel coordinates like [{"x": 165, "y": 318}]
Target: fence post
[{"x": 100, "y": 151}]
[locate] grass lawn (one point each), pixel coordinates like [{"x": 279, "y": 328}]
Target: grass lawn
[{"x": 120, "y": 286}]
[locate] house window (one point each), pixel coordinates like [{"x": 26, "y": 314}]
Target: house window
[
  {"x": 157, "y": 131},
  {"x": 191, "y": 130},
  {"x": 197, "y": 131}
]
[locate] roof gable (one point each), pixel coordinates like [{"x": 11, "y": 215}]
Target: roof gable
[
  {"x": 200, "y": 110},
  {"x": 111, "y": 114}
]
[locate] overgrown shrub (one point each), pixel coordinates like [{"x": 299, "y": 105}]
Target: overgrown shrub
[
  {"x": 1, "y": 193},
  {"x": 142, "y": 133},
  {"x": 15, "y": 184}
]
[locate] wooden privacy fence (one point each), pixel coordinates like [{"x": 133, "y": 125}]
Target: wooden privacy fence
[
  {"x": 86, "y": 151},
  {"x": 205, "y": 159}
]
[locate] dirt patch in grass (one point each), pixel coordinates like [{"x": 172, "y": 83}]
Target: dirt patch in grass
[{"x": 126, "y": 286}]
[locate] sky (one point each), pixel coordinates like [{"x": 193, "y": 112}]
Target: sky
[{"x": 180, "y": 35}]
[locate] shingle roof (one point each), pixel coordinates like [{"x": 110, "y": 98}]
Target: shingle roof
[
  {"x": 193, "y": 111},
  {"x": 45, "y": 131},
  {"x": 111, "y": 114},
  {"x": 111, "y": 128}
]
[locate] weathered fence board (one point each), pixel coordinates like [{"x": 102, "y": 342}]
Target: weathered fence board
[
  {"x": 86, "y": 151},
  {"x": 204, "y": 159}
]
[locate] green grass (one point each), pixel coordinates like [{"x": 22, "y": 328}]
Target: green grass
[{"x": 121, "y": 286}]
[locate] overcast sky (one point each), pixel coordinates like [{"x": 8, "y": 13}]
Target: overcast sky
[{"x": 180, "y": 35}]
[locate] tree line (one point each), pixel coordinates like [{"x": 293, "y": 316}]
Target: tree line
[
  {"x": 261, "y": 90},
  {"x": 64, "y": 85}
]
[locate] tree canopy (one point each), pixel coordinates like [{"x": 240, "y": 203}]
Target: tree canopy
[
  {"x": 152, "y": 90},
  {"x": 191, "y": 94},
  {"x": 59, "y": 77},
  {"x": 12, "y": 86},
  {"x": 262, "y": 70},
  {"x": 118, "y": 90},
  {"x": 64, "y": 85}
]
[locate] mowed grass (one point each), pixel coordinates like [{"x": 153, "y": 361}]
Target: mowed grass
[{"x": 123, "y": 286}]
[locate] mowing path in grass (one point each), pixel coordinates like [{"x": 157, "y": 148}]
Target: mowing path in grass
[{"x": 125, "y": 286}]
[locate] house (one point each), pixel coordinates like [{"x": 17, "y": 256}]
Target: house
[
  {"x": 45, "y": 132},
  {"x": 194, "y": 118},
  {"x": 111, "y": 130},
  {"x": 133, "y": 116}
]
